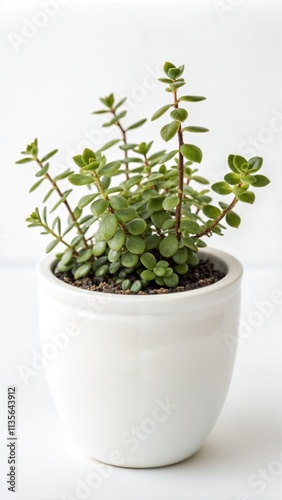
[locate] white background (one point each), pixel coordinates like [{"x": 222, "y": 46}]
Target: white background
[{"x": 50, "y": 83}]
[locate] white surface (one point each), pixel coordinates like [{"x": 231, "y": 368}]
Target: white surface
[
  {"x": 50, "y": 85},
  {"x": 246, "y": 438}
]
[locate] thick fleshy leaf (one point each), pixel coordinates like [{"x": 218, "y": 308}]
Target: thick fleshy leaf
[
  {"x": 160, "y": 112},
  {"x": 136, "y": 226},
  {"x": 169, "y": 246},
  {"x": 221, "y": 188},
  {"x": 247, "y": 197},
  {"x": 137, "y": 124},
  {"x": 85, "y": 200},
  {"x": 261, "y": 181},
  {"x": 88, "y": 155},
  {"x": 118, "y": 241},
  {"x": 179, "y": 114},
  {"x": 149, "y": 261},
  {"x": 82, "y": 271},
  {"x": 171, "y": 202},
  {"x": 233, "y": 219},
  {"x": 192, "y": 98},
  {"x": 110, "y": 169},
  {"x": 192, "y": 153},
  {"x": 108, "y": 227},
  {"x": 129, "y": 259},
  {"x": 211, "y": 212},
  {"x": 80, "y": 180},
  {"x": 135, "y": 244},
  {"x": 197, "y": 130},
  {"x": 98, "y": 207},
  {"x": 169, "y": 131}
]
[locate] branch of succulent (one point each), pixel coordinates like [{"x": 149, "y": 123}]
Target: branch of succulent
[{"x": 147, "y": 221}]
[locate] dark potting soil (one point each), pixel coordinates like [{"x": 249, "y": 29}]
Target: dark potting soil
[{"x": 199, "y": 276}]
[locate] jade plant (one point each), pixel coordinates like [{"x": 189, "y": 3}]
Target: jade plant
[{"x": 146, "y": 213}]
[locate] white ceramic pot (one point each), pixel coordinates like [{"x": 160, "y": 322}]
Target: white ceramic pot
[{"x": 139, "y": 381}]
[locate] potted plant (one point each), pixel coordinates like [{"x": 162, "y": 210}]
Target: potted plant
[{"x": 134, "y": 309}]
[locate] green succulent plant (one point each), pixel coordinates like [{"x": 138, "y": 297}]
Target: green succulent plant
[{"x": 144, "y": 213}]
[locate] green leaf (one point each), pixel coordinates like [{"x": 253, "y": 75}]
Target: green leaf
[
  {"x": 165, "y": 80},
  {"x": 126, "y": 284},
  {"x": 168, "y": 246},
  {"x": 211, "y": 212},
  {"x": 88, "y": 155},
  {"x": 98, "y": 207},
  {"x": 155, "y": 204},
  {"x": 160, "y": 112},
  {"x": 67, "y": 256},
  {"x": 108, "y": 227},
  {"x": 61, "y": 200},
  {"x": 129, "y": 259},
  {"x": 24, "y": 160},
  {"x": 110, "y": 169},
  {"x": 43, "y": 171},
  {"x": 118, "y": 241},
  {"x": 136, "y": 226},
  {"x": 181, "y": 256},
  {"x": 102, "y": 271},
  {"x": 232, "y": 178},
  {"x": 63, "y": 175},
  {"x": 84, "y": 256},
  {"x": 49, "y": 155},
  {"x": 148, "y": 275},
  {"x": 93, "y": 165},
  {"x": 135, "y": 179},
  {"x": 239, "y": 161},
  {"x": 120, "y": 103},
  {"x": 135, "y": 244},
  {"x": 109, "y": 145},
  {"x": 233, "y": 219},
  {"x": 114, "y": 255},
  {"x": 36, "y": 185},
  {"x": 190, "y": 243},
  {"x": 100, "y": 112},
  {"x": 80, "y": 180},
  {"x": 192, "y": 98},
  {"x": 82, "y": 271},
  {"x": 99, "y": 248},
  {"x": 190, "y": 226},
  {"x": 200, "y": 179},
  {"x": 152, "y": 242},
  {"x": 255, "y": 163},
  {"x": 247, "y": 197},
  {"x": 261, "y": 181},
  {"x": 136, "y": 286},
  {"x": 231, "y": 165},
  {"x": 78, "y": 161},
  {"x": 167, "y": 67},
  {"x": 181, "y": 269},
  {"x": 126, "y": 214},
  {"x": 137, "y": 124},
  {"x": 171, "y": 202},
  {"x": 221, "y": 188},
  {"x": 118, "y": 202},
  {"x": 198, "y": 130},
  {"x": 179, "y": 114},
  {"x": 175, "y": 72},
  {"x": 149, "y": 261},
  {"x": 169, "y": 131},
  {"x": 168, "y": 156},
  {"x": 191, "y": 153},
  {"x": 51, "y": 246},
  {"x": 158, "y": 218},
  {"x": 85, "y": 200},
  {"x": 48, "y": 194},
  {"x": 171, "y": 281}
]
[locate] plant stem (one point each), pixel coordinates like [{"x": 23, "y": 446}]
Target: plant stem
[
  {"x": 180, "y": 175},
  {"x": 124, "y": 138},
  {"x": 58, "y": 237},
  {"x": 56, "y": 187},
  {"x": 207, "y": 232}
]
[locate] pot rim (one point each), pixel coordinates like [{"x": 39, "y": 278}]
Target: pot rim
[{"x": 232, "y": 267}]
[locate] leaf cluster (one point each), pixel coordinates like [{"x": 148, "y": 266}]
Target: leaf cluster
[{"x": 144, "y": 215}]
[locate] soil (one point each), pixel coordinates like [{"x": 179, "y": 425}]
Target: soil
[{"x": 199, "y": 276}]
